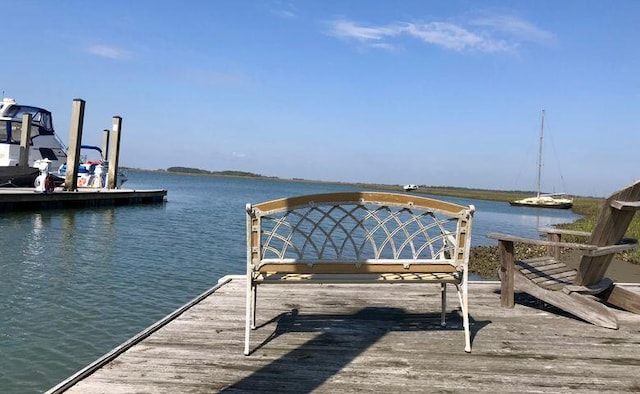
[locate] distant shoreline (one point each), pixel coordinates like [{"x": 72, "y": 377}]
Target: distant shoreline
[{"x": 449, "y": 191}]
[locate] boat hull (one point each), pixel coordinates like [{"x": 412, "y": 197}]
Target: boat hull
[
  {"x": 557, "y": 205},
  {"x": 23, "y": 177},
  {"x": 18, "y": 176}
]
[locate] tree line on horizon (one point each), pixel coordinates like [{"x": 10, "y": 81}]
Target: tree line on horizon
[{"x": 198, "y": 171}]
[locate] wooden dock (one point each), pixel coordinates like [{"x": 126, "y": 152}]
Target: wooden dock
[
  {"x": 23, "y": 199},
  {"x": 364, "y": 338}
]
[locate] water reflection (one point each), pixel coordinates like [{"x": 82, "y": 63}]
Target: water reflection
[{"x": 33, "y": 245}]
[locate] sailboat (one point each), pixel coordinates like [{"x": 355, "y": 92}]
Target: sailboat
[{"x": 544, "y": 200}]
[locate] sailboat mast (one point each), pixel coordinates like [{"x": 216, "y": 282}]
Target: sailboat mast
[{"x": 540, "y": 154}]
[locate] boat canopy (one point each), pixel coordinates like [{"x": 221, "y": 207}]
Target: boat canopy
[{"x": 11, "y": 122}]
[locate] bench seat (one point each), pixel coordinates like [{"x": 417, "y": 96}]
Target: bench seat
[{"x": 355, "y": 278}]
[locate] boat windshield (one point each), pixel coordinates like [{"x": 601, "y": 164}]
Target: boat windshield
[{"x": 40, "y": 117}]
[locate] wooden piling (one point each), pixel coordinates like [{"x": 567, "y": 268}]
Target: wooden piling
[
  {"x": 112, "y": 176},
  {"x": 75, "y": 141},
  {"x": 25, "y": 138},
  {"x": 105, "y": 144}
]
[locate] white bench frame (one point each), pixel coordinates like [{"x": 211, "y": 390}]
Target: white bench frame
[{"x": 358, "y": 237}]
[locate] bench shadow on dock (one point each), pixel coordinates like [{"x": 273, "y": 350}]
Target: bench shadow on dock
[
  {"x": 346, "y": 338},
  {"x": 341, "y": 339}
]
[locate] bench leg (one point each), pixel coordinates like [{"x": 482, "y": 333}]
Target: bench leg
[
  {"x": 248, "y": 315},
  {"x": 250, "y": 324},
  {"x": 464, "y": 305},
  {"x": 254, "y": 296},
  {"x": 443, "y": 311}
]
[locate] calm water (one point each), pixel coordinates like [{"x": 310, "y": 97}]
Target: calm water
[{"x": 77, "y": 283}]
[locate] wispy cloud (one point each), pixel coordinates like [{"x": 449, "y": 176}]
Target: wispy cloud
[
  {"x": 108, "y": 52},
  {"x": 238, "y": 155},
  {"x": 518, "y": 28},
  {"x": 457, "y": 38},
  {"x": 349, "y": 29},
  {"x": 487, "y": 34},
  {"x": 285, "y": 10}
]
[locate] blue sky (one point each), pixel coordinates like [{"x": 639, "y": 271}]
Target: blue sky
[{"x": 428, "y": 92}]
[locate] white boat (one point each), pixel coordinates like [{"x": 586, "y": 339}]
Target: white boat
[
  {"x": 544, "y": 200},
  {"x": 44, "y": 145},
  {"x": 92, "y": 171},
  {"x": 410, "y": 187}
]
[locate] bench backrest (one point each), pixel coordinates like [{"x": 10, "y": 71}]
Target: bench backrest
[{"x": 344, "y": 232}]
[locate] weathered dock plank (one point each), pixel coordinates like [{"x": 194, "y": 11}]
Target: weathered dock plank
[
  {"x": 21, "y": 199},
  {"x": 362, "y": 338}
]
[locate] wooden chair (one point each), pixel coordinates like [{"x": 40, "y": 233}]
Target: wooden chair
[{"x": 569, "y": 289}]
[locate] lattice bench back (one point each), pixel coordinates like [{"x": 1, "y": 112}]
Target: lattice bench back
[{"x": 359, "y": 232}]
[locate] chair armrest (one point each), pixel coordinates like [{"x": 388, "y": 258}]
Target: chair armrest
[
  {"x": 604, "y": 250},
  {"x": 530, "y": 241},
  {"x": 548, "y": 230},
  {"x": 626, "y": 205},
  {"x": 591, "y": 250}
]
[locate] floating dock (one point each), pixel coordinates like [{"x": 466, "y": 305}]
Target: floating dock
[
  {"x": 367, "y": 338},
  {"x": 25, "y": 199},
  {"x": 30, "y": 199}
]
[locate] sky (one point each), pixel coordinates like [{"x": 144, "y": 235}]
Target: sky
[{"x": 440, "y": 93}]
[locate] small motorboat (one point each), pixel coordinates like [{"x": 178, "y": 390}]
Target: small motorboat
[
  {"x": 92, "y": 172},
  {"x": 410, "y": 187}
]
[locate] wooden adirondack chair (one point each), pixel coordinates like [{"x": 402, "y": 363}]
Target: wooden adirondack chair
[{"x": 569, "y": 289}]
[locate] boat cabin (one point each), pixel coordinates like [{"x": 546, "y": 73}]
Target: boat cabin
[
  {"x": 11, "y": 117},
  {"x": 44, "y": 142}
]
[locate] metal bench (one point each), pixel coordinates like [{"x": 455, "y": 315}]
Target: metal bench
[{"x": 358, "y": 237}]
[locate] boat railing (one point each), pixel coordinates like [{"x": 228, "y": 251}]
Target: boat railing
[{"x": 65, "y": 148}]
